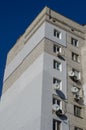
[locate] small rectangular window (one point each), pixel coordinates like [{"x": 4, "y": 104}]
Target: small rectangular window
[
  {"x": 77, "y": 128},
  {"x": 74, "y": 42},
  {"x": 75, "y": 57},
  {"x": 57, "y": 33},
  {"x": 57, "y": 84},
  {"x": 57, "y": 49},
  {"x": 56, "y": 125},
  {"x": 77, "y": 111},
  {"x": 56, "y": 101},
  {"x": 56, "y": 81},
  {"x": 57, "y": 65}
]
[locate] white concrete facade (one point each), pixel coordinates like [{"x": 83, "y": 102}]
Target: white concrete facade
[
  {"x": 46, "y": 30},
  {"x": 27, "y": 103},
  {"x": 21, "y": 105}
]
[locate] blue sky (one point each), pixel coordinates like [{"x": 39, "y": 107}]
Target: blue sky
[{"x": 15, "y": 17}]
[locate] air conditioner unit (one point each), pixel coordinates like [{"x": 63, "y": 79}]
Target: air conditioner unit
[
  {"x": 56, "y": 86},
  {"x": 74, "y": 90},
  {"x": 71, "y": 73},
  {"x": 76, "y": 78}
]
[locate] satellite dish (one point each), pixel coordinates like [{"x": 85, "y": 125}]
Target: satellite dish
[
  {"x": 71, "y": 73},
  {"x": 56, "y": 86},
  {"x": 74, "y": 90},
  {"x": 56, "y": 107}
]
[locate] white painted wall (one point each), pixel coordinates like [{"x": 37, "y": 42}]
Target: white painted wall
[
  {"x": 49, "y": 33},
  {"x": 20, "y": 106},
  {"x": 46, "y": 30},
  {"x": 27, "y": 104},
  {"x": 47, "y": 91},
  {"x": 29, "y": 46}
]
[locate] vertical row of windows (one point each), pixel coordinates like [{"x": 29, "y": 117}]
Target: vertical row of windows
[
  {"x": 58, "y": 66},
  {"x": 75, "y": 56},
  {"x": 74, "y": 42}
]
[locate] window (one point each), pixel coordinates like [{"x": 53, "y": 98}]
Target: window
[
  {"x": 77, "y": 111},
  {"x": 75, "y": 57},
  {"x": 77, "y": 128},
  {"x": 56, "y": 101},
  {"x": 74, "y": 42},
  {"x": 57, "y": 33},
  {"x": 76, "y": 74},
  {"x": 57, "y": 81},
  {"x": 57, "y": 49},
  {"x": 57, "y": 84},
  {"x": 56, "y": 125},
  {"x": 57, "y": 65}
]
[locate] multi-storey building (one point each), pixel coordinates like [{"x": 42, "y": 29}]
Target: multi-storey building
[{"x": 45, "y": 77}]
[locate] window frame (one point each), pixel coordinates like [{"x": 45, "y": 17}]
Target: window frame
[
  {"x": 56, "y": 125},
  {"x": 56, "y": 49},
  {"x": 56, "y": 101},
  {"x": 74, "y": 42},
  {"x": 57, "y": 33},
  {"x": 55, "y": 80},
  {"x": 77, "y": 111},
  {"x": 75, "y": 57},
  {"x": 57, "y": 65}
]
